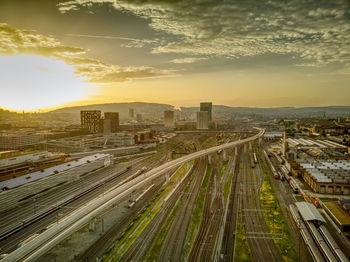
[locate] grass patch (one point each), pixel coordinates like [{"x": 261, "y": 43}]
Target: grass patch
[
  {"x": 209, "y": 141},
  {"x": 328, "y": 199},
  {"x": 222, "y": 166},
  {"x": 299, "y": 199},
  {"x": 156, "y": 247},
  {"x": 196, "y": 217},
  {"x": 275, "y": 219},
  {"x": 153, "y": 157},
  {"x": 242, "y": 249}
]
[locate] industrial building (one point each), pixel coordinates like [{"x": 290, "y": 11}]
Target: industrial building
[
  {"x": 24, "y": 187},
  {"x": 326, "y": 176},
  {"x": 20, "y": 158},
  {"x": 18, "y": 140},
  {"x": 207, "y": 106},
  {"x": 169, "y": 118},
  {"x": 120, "y": 139},
  {"x": 202, "y": 120},
  {"x": 324, "y": 144},
  {"x": 91, "y": 120},
  {"x": 274, "y": 135},
  {"x": 85, "y": 161}
]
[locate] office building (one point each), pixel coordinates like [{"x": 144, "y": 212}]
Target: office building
[
  {"x": 202, "y": 120},
  {"x": 169, "y": 118},
  {"x": 131, "y": 113},
  {"x": 113, "y": 118},
  {"x": 91, "y": 120},
  {"x": 207, "y": 106},
  {"x": 139, "y": 118}
]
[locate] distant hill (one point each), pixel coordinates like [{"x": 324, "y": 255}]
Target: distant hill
[
  {"x": 146, "y": 109},
  {"x": 154, "y": 110},
  {"x": 328, "y": 111}
]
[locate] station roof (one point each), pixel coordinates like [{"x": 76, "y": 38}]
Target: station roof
[
  {"x": 309, "y": 212},
  {"x": 21, "y": 180}
]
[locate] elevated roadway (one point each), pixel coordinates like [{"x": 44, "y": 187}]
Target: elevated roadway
[{"x": 35, "y": 248}]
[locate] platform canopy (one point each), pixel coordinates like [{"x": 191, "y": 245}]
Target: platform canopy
[{"x": 309, "y": 212}]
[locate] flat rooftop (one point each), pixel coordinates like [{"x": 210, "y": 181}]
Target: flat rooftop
[
  {"x": 327, "y": 171},
  {"x": 309, "y": 212},
  {"x": 338, "y": 212}
]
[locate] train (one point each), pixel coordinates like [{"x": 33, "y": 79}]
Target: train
[
  {"x": 274, "y": 172},
  {"x": 321, "y": 245},
  {"x": 255, "y": 158},
  {"x": 293, "y": 184},
  {"x": 139, "y": 172},
  {"x": 320, "y": 242},
  {"x": 332, "y": 244},
  {"x": 252, "y": 161}
]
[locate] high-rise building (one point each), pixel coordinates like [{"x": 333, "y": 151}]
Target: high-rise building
[
  {"x": 207, "y": 106},
  {"x": 202, "y": 120},
  {"x": 131, "y": 113},
  {"x": 91, "y": 120},
  {"x": 114, "y": 120},
  {"x": 106, "y": 126},
  {"x": 169, "y": 118},
  {"x": 139, "y": 118}
]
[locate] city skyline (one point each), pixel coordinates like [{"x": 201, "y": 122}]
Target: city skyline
[{"x": 250, "y": 54}]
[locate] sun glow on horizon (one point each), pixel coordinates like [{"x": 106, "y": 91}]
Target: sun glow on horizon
[{"x": 30, "y": 82}]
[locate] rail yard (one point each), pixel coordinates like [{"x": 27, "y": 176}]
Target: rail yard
[{"x": 212, "y": 207}]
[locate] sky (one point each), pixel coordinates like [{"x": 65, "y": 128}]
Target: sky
[{"x": 250, "y": 53}]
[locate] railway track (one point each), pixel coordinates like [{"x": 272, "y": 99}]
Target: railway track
[
  {"x": 141, "y": 245},
  {"x": 96, "y": 249},
  {"x": 174, "y": 244},
  {"x": 204, "y": 223},
  {"x": 262, "y": 248},
  {"x": 228, "y": 242},
  {"x": 40, "y": 223}
]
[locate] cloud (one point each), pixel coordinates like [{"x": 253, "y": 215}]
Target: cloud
[
  {"x": 316, "y": 32},
  {"x": 188, "y": 60},
  {"x": 16, "y": 42},
  {"x": 131, "y": 42}
]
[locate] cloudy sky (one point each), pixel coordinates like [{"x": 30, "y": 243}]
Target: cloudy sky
[{"x": 239, "y": 53}]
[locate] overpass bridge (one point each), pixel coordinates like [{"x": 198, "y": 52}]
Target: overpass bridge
[{"x": 38, "y": 246}]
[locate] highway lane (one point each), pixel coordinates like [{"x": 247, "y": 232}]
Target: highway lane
[{"x": 39, "y": 245}]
